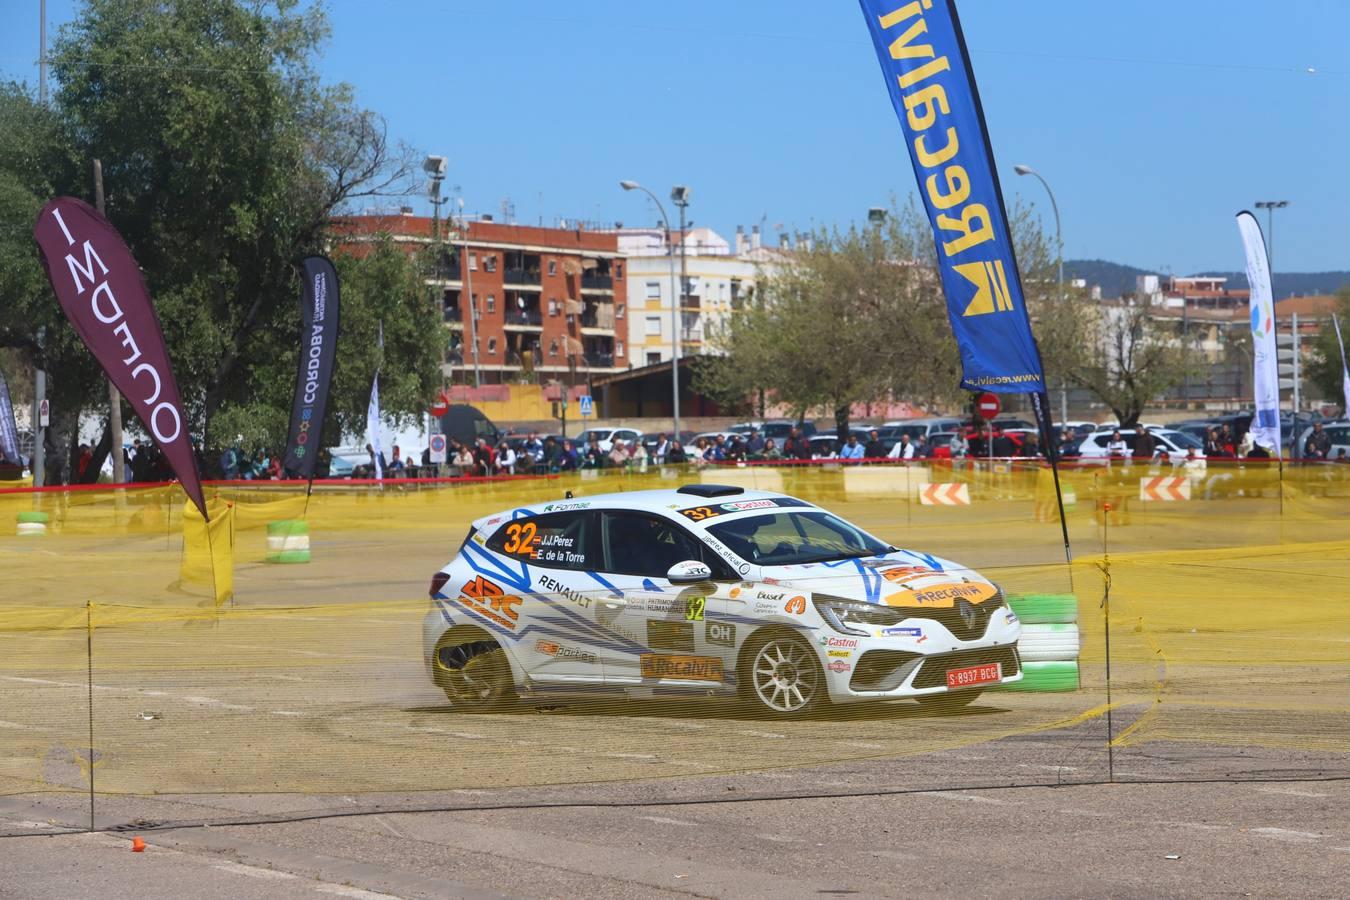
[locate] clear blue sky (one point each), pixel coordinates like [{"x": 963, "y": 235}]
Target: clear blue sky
[{"x": 1154, "y": 121}]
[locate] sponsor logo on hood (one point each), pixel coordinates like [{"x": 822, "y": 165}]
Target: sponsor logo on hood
[{"x": 827, "y": 640}]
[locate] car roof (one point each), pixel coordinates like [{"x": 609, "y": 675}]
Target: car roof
[{"x": 664, "y": 502}]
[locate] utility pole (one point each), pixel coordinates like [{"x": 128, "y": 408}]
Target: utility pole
[
  {"x": 39, "y": 461},
  {"x": 472, "y": 306},
  {"x": 680, "y": 196},
  {"x": 114, "y": 396}
]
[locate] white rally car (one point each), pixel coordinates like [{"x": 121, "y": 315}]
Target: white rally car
[{"x": 708, "y": 590}]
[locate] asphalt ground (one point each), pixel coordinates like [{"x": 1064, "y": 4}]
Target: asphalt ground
[{"x": 304, "y": 706}]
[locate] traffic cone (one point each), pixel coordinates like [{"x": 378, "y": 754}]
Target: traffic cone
[{"x": 137, "y": 845}]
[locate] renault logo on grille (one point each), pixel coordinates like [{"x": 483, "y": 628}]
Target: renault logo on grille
[{"x": 970, "y": 613}]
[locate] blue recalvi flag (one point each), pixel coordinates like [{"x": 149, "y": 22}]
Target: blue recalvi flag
[{"x": 923, "y": 56}]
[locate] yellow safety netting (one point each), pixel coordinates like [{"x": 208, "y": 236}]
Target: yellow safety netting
[{"x": 1229, "y": 637}]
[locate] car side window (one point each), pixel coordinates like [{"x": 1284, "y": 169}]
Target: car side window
[
  {"x": 642, "y": 544},
  {"x": 564, "y": 540}
]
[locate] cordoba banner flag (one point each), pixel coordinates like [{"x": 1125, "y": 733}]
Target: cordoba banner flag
[
  {"x": 318, "y": 348},
  {"x": 923, "y": 58},
  {"x": 1265, "y": 425},
  {"x": 99, "y": 285}
]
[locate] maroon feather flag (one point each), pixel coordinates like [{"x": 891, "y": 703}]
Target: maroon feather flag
[{"x": 100, "y": 287}]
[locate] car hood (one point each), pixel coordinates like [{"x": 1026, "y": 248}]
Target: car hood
[{"x": 904, "y": 578}]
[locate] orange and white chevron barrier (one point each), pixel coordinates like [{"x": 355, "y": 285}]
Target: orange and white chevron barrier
[
  {"x": 944, "y": 494},
  {"x": 1165, "y": 487}
]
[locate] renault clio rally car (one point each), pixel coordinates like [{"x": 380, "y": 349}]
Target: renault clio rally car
[{"x": 708, "y": 590}]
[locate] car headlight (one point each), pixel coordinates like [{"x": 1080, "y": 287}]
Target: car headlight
[{"x": 854, "y": 617}]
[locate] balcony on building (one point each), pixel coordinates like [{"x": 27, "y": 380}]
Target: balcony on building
[
  {"x": 597, "y": 275},
  {"x": 450, "y": 309},
  {"x": 598, "y": 352},
  {"x": 691, "y": 300},
  {"x": 522, "y": 312},
  {"x": 522, "y": 270},
  {"x": 445, "y": 267},
  {"x": 598, "y": 315}
]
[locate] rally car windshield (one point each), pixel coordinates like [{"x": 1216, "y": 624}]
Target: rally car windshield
[{"x": 795, "y": 538}]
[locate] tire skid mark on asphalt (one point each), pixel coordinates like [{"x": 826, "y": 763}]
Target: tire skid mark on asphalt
[
  {"x": 763, "y": 734},
  {"x": 1290, "y": 792},
  {"x": 861, "y": 745},
  {"x": 956, "y": 795},
  {"x": 1289, "y": 836},
  {"x": 663, "y": 820},
  {"x": 16, "y": 726},
  {"x": 235, "y": 868}
]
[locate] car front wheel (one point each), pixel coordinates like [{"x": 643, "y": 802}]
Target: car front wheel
[
  {"x": 475, "y": 674},
  {"x": 781, "y": 676}
]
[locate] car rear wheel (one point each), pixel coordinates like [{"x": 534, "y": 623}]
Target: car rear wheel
[
  {"x": 474, "y": 674},
  {"x": 781, "y": 676},
  {"x": 948, "y": 702}
]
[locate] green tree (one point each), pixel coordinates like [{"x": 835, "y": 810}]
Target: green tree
[
  {"x": 1324, "y": 363},
  {"x": 1135, "y": 359},
  {"x": 224, "y": 160},
  {"x": 860, "y": 315}
]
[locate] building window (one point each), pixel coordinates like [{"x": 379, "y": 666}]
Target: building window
[
  {"x": 618, "y": 348},
  {"x": 473, "y": 262},
  {"x": 553, "y": 267},
  {"x": 553, "y": 347},
  {"x": 553, "y": 306},
  {"x": 653, "y": 326},
  {"x": 653, "y": 357},
  {"x": 653, "y": 290},
  {"x": 618, "y": 270},
  {"x": 490, "y": 262},
  {"x": 491, "y": 303},
  {"x": 492, "y": 346},
  {"x": 619, "y": 309}
]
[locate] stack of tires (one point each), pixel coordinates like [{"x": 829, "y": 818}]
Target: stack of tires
[
  {"x": 32, "y": 524},
  {"x": 288, "y": 541},
  {"x": 1050, "y": 642}
]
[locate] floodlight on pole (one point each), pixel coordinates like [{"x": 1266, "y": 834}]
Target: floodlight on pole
[
  {"x": 1270, "y": 206},
  {"x": 876, "y": 216},
  {"x": 674, "y": 305}
]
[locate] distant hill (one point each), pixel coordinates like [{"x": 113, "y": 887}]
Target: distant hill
[
  {"x": 1293, "y": 284},
  {"x": 1117, "y": 279}
]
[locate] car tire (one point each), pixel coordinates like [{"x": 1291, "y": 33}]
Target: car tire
[
  {"x": 948, "y": 702},
  {"x": 780, "y": 676},
  {"x": 473, "y": 672}
]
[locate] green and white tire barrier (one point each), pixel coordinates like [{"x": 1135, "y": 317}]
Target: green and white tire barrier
[
  {"x": 288, "y": 541},
  {"x": 32, "y": 524},
  {"x": 1050, "y": 642}
]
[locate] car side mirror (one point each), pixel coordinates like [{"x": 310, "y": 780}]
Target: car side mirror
[{"x": 688, "y": 572}]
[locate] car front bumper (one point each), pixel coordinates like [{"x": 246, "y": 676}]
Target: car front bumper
[{"x": 887, "y": 667}]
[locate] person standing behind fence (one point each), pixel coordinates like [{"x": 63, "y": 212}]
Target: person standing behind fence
[
  {"x": 661, "y": 449},
  {"x": 1145, "y": 445},
  {"x": 675, "y": 455},
  {"x": 874, "y": 448},
  {"x": 1318, "y": 444},
  {"x": 505, "y": 463},
  {"x": 903, "y": 449},
  {"x": 1031, "y": 446},
  {"x": 852, "y": 450},
  {"x": 1116, "y": 448},
  {"x": 754, "y": 447},
  {"x": 959, "y": 445},
  {"x": 796, "y": 446}
]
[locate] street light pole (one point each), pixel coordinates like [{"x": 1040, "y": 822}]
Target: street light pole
[
  {"x": 674, "y": 307},
  {"x": 1059, "y": 253}
]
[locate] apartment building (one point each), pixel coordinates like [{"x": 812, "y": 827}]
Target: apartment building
[
  {"x": 719, "y": 277},
  {"x": 519, "y": 303}
]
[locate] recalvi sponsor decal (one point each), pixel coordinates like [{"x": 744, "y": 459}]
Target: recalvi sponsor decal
[{"x": 685, "y": 668}]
